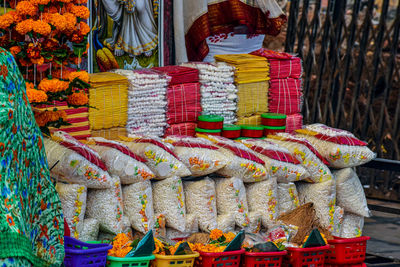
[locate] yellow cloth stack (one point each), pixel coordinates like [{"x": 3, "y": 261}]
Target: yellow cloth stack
[
  {"x": 252, "y": 120},
  {"x": 252, "y": 98},
  {"x": 109, "y": 95},
  {"x": 249, "y": 68},
  {"x": 110, "y": 134}
]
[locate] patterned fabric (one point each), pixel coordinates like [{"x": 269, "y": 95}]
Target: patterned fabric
[
  {"x": 15, "y": 262},
  {"x": 31, "y": 219}
]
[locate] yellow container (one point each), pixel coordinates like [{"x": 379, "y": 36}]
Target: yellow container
[{"x": 174, "y": 261}]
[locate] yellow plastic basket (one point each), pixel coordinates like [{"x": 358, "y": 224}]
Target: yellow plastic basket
[{"x": 175, "y": 261}]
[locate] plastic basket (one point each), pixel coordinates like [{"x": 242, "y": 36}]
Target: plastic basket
[
  {"x": 221, "y": 259},
  {"x": 174, "y": 261},
  {"x": 129, "y": 262},
  {"x": 305, "y": 257},
  {"x": 347, "y": 250},
  {"x": 81, "y": 254},
  {"x": 263, "y": 259},
  {"x": 346, "y": 265}
]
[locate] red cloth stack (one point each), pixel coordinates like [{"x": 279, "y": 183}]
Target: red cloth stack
[
  {"x": 184, "y": 99},
  {"x": 294, "y": 122},
  {"x": 285, "y": 90}
]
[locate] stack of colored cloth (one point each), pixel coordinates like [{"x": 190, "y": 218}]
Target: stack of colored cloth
[
  {"x": 285, "y": 90},
  {"x": 251, "y": 79},
  {"x": 183, "y": 98},
  {"x": 218, "y": 91},
  {"x": 77, "y": 117},
  {"x": 147, "y": 102},
  {"x": 109, "y": 95}
]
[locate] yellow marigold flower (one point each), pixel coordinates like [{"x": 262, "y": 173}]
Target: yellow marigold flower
[
  {"x": 78, "y": 99},
  {"x": 41, "y": 27},
  {"x": 82, "y": 75},
  {"x": 24, "y": 26},
  {"x": 26, "y": 8},
  {"x": 229, "y": 236}
]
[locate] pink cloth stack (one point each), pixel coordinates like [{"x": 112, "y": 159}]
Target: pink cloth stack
[
  {"x": 294, "y": 122},
  {"x": 284, "y": 96},
  {"x": 183, "y": 97}
]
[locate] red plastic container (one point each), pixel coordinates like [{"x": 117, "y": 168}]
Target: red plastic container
[
  {"x": 210, "y": 122},
  {"x": 261, "y": 259},
  {"x": 231, "y": 131},
  {"x": 208, "y": 132},
  {"x": 305, "y": 257},
  {"x": 347, "y": 250},
  {"x": 252, "y": 131},
  {"x": 221, "y": 259},
  {"x": 345, "y": 265},
  {"x": 273, "y": 119},
  {"x": 273, "y": 130}
]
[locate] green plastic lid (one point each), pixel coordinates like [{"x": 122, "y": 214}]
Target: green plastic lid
[
  {"x": 243, "y": 138},
  {"x": 199, "y": 130},
  {"x": 275, "y": 127},
  {"x": 210, "y": 118},
  {"x": 253, "y": 127},
  {"x": 273, "y": 116},
  {"x": 231, "y": 127}
]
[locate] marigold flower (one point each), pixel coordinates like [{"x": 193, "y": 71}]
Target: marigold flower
[
  {"x": 215, "y": 234},
  {"x": 82, "y": 75},
  {"x": 80, "y": 11},
  {"x": 15, "y": 15},
  {"x": 229, "y": 237},
  {"x": 58, "y": 21},
  {"x": 84, "y": 28},
  {"x": 26, "y": 8},
  {"x": 40, "y": 2},
  {"x": 36, "y": 96},
  {"x": 78, "y": 99},
  {"x": 57, "y": 74},
  {"x": 43, "y": 118},
  {"x": 24, "y": 26},
  {"x": 121, "y": 246},
  {"x": 64, "y": 1},
  {"x": 41, "y": 27},
  {"x": 5, "y": 21},
  {"x": 53, "y": 85},
  {"x": 71, "y": 22},
  {"x": 80, "y": 2},
  {"x": 15, "y": 50}
]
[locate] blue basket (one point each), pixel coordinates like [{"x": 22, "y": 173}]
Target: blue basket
[{"x": 81, "y": 254}]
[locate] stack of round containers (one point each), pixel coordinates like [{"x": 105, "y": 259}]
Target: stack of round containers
[
  {"x": 273, "y": 123},
  {"x": 210, "y": 124}
]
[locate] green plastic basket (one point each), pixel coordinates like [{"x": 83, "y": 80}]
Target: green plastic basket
[{"x": 129, "y": 262}]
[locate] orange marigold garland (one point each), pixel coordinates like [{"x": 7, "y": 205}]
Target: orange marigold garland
[
  {"x": 41, "y": 27},
  {"x": 36, "y": 96},
  {"x": 82, "y": 75},
  {"x": 24, "y": 26},
  {"x": 84, "y": 28},
  {"x": 26, "y": 8},
  {"x": 40, "y": 2},
  {"x": 58, "y": 21},
  {"x": 45, "y": 117},
  {"x": 5, "y": 21},
  {"x": 80, "y": 12},
  {"x": 78, "y": 99},
  {"x": 53, "y": 85},
  {"x": 121, "y": 246},
  {"x": 15, "y": 50}
]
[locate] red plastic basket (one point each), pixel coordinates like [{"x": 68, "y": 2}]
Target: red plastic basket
[
  {"x": 263, "y": 259},
  {"x": 221, "y": 259},
  {"x": 346, "y": 265},
  {"x": 305, "y": 257},
  {"x": 347, "y": 250}
]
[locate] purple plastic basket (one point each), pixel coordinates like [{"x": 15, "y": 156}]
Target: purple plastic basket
[{"x": 78, "y": 253}]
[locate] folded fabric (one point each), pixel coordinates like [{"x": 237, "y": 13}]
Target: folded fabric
[
  {"x": 109, "y": 96},
  {"x": 111, "y": 133},
  {"x": 252, "y": 98},
  {"x": 179, "y": 74},
  {"x": 184, "y": 103},
  {"x": 252, "y": 120},
  {"x": 285, "y": 96},
  {"x": 294, "y": 122},
  {"x": 290, "y": 68},
  {"x": 184, "y": 129}
]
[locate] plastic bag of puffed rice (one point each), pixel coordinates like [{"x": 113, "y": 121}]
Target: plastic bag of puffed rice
[
  {"x": 226, "y": 222},
  {"x": 169, "y": 199},
  {"x": 338, "y": 217},
  {"x": 121, "y": 161},
  {"x": 340, "y": 148},
  {"x": 159, "y": 155},
  {"x": 199, "y": 155},
  {"x": 138, "y": 205},
  {"x": 352, "y": 225},
  {"x": 106, "y": 205},
  {"x": 263, "y": 197},
  {"x": 192, "y": 227},
  {"x": 305, "y": 152},
  {"x": 90, "y": 230},
  {"x": 350, "y": 192},
  {"x": 255, "y": 223},
  {"x": 73, "y": 202},
  {"x": 74, "y": 162},
  {"x": 231, "y": 197},
  {"x": 200, "y": 199},
  {"x": 105, "y": 236},
  {"x": 279, "y": 162},
  {"x": 242, "y": 162},
  {"x": 288, "y": 198},
  {"x": 323, "y": 195}
]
